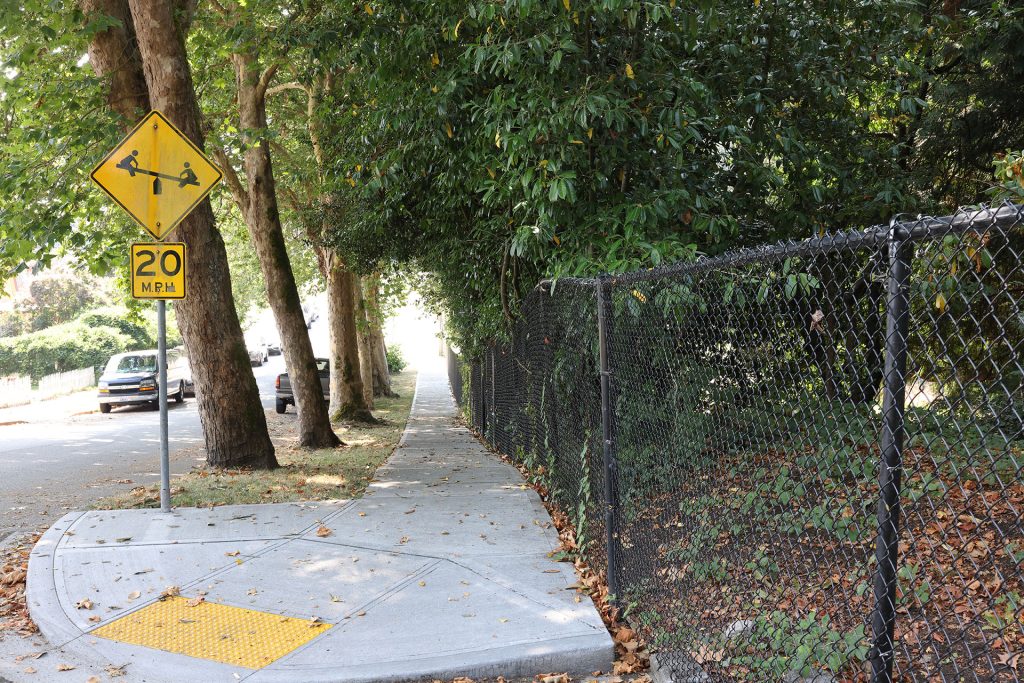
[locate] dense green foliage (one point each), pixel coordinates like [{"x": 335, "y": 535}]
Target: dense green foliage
[
  {"x": 57, "y": 349},
  {"x": 54, "y": 127},
  {"x": 115, "y": 319},
  {"x": 90, "y": 339},
  {"x": 494, "y": 144},
  {"x": 499, "y": 143}
]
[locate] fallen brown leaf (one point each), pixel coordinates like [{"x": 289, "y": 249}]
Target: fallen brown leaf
[
  {"x": 13, "y": 577},
  {"x": 323, "y": 531},
  {"x": 624, "y": 634},
  {"x": 552, "y": 678}
]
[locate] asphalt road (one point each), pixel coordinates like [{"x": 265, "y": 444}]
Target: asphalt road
[{"x": 48, "y": 467}]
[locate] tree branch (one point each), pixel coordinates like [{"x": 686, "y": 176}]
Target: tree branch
[
  {"x": 291, "y": 85},
  {"x": 264, "y": 82},
  {"x": 234, "y": 183},
  {"x": 219, "y": 8}
]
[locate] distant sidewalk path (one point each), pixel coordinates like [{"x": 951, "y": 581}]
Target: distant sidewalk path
[
  {"x": 441, "y": 570},
  {"x": 53, "y": 409}
]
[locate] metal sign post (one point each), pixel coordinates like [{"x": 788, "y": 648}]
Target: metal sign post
[
  {"x": 158, "y": 272},
  {"x": 156, "y": 149},
  {"x": 161, "y": 352}
]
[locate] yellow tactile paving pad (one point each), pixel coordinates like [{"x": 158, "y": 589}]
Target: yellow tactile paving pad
[{"x": 231, "y": 635}]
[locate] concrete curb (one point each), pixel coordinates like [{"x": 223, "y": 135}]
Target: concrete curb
[{"x": 41, "y": 586}]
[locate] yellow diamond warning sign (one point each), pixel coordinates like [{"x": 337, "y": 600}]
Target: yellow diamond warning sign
[
  {"x": 157, "y": 175},
  {"x": 158, "y": 270}
]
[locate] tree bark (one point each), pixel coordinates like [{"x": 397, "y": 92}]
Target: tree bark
[
  {"x": 348, "y": 402},
  {"x": 259, "y": 207},
  {"x": 346, "y": 381},
  {"x": 381, "y": 375},
  {"x": 114, "y": 54},
  {"x": 229, "y": 403},
  {"x": 365, "y": 348}
]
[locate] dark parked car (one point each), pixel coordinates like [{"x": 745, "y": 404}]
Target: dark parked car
[
  {"x": 283, "y": 387},
  {"x": 274, "y": 346}
]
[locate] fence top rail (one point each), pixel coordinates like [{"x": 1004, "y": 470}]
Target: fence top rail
[
  {"x": 547, "y": 284},
  {"x": 977, "y": 219}
]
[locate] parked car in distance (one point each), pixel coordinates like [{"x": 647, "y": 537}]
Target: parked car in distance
[
  {"x": 256, "y": 346},
  {"x": 132, "y": 379},
  {"x": 274, "y": 345},
  {"x": 283, "y": 386}
]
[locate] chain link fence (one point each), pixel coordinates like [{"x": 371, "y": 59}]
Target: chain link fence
[{"x": 793, "y": 463}]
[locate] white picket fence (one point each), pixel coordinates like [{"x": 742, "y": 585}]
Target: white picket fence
[
  {"x": 15, "y": 390},
  {"x": 65, "y": 382}
]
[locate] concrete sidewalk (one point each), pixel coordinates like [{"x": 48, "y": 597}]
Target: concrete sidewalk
[
  {"x": 53, "y": 409},
  {"x": 441, "y": 570}
]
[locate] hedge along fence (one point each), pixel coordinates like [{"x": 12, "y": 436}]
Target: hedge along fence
[
  {"x": 65, "y": 382},
  {"x": 141, "y": 335},
  {"x": 61, "y": 348}
]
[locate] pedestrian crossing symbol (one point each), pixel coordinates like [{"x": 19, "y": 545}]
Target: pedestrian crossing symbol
[{"x": 157, "y": 175}]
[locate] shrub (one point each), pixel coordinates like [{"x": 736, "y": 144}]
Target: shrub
[
  {"x": 13, "y": 323},
  {"x": 62, "y": 347},
  {"x": 114, "y": 319},
  {"x": 396, "y": 361}
]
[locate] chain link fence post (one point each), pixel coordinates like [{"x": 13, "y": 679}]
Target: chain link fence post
[
  {"x": 611, "y": 503},
  {"x": 492, "y": 404},
  {"x": 883, "y": 618}
]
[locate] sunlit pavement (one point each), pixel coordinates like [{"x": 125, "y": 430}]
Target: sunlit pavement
[{"x": 441, "y": 570}]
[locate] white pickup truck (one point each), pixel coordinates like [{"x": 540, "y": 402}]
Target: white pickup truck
[{"x": 131, "y": 379}]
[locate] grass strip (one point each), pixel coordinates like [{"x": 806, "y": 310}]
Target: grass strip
[{"x": 304, "y": 474}]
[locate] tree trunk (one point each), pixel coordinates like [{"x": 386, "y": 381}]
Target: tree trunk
[
  {"x": 346, "y": 382},
  {"x": 347, "y": 398},
  {"x": 229, "y": 403},
  {"x": 381, "y": 375},
  {"x": 114, "y": 54},
  {"x": 365, "y": 349},
  {"x": 259, "y": 207}
]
